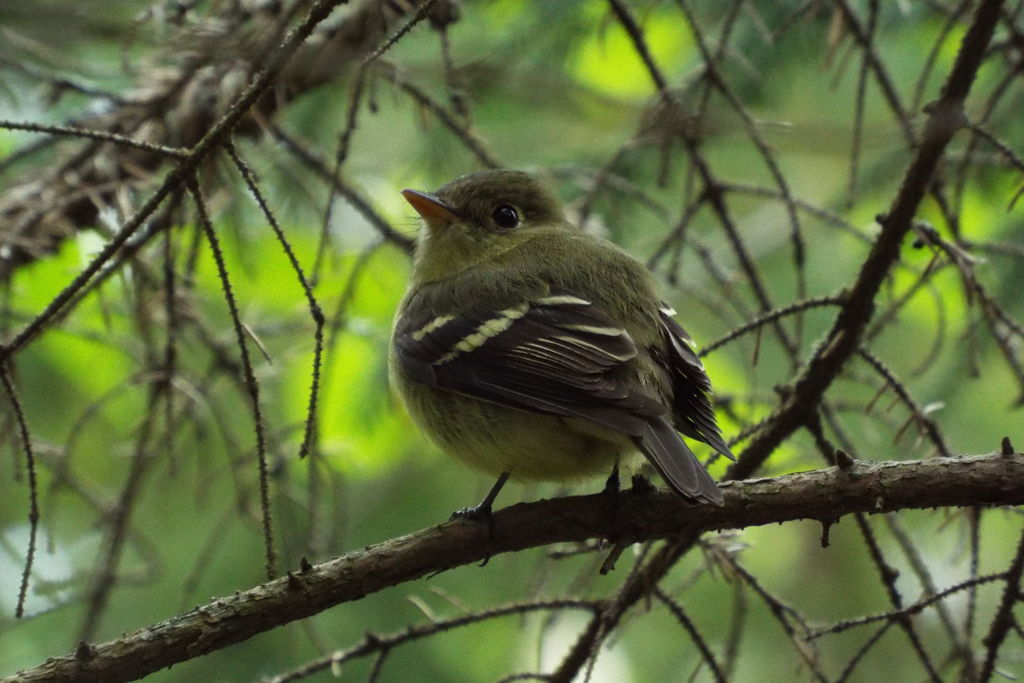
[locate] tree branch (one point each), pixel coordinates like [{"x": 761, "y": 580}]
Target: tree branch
[
  {"x": 172, "y": 108},
  {"x": 823, "y": 494},
  {"x": 843, "y": 340}
]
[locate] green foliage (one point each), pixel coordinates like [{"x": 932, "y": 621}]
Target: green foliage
[{"x": 553, "y": 87}]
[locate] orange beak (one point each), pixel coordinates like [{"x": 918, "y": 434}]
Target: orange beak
[{"x": 435, "y": 212}]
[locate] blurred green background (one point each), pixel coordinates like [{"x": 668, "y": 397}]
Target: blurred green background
[{"x": 555, "y": 88}]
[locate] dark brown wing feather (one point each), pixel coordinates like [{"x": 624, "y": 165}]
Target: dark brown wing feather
[
  {"x": 690, "y": 386},
  {"x": 556, "y": 355}
]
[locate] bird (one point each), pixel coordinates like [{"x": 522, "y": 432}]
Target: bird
[{"x": 531, "y": 350}]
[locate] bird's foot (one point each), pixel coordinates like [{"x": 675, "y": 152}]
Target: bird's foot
[
  {"x": 479, "y": 514},
  {"x": 610, "y": 506},
  {"x": 483, "y": 512},
  {"x": 613, "y": 485},
  {"x": 642, "y": 485}
]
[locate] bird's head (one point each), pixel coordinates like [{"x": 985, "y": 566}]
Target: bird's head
[{"x": 478, "y": 217}]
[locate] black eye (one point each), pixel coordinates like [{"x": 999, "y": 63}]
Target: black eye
[{"x": 505, "y": 216}]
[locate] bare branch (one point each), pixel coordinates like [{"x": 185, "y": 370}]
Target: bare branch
[{"x": 824, "y": 494}]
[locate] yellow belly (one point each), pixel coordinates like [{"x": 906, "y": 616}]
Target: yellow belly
[{"x": 497, "y": 439}]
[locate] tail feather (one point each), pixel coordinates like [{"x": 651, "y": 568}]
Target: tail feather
[{"x": 676, "y": 463}]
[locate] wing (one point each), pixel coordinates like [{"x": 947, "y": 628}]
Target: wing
[
  {"x": 556, "y": 355},
  {"x": 690, "y": 386}
]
